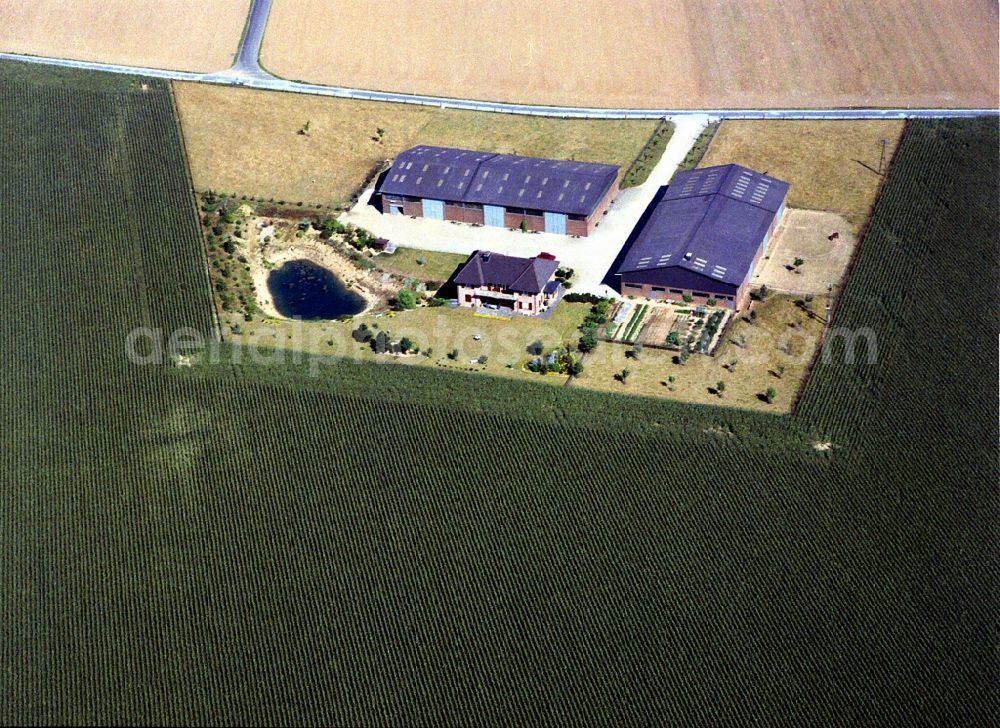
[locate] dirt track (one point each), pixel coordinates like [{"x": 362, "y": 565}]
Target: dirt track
[
  {"x": 188, "y": 35},
  {"x": 648, "y": 53}
]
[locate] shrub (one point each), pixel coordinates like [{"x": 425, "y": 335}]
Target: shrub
[
  {"x": 453, "y": 354},
  {"x": 362, "y": 334},
  {"x": 588, "y": 342},
  {"x": 437, "y": 301},
  {"x": 687, "y": 298},
  {"x": 582, "y": 298}
]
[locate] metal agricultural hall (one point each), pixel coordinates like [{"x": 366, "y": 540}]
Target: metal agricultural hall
[
  {"x": 500, "y": 190},
  {"x": 705, "y": 236}
]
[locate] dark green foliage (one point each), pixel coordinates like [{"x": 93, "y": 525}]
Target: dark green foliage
[
  {"x": 406, "y": 299},
  {"x": 588, "y": 342},
  {"x": 249, "y": 543}
]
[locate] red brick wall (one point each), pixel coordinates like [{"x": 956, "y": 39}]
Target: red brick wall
[
  {"x": 469, "y": 215},
  {"x": 595, "y": 217},
  {"x": 646, "y": 291},
  {"x": 513, "y": 220},
  {"x": 583, "y": 228}
]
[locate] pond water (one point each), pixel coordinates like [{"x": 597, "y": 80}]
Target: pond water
[{"x": 302, "y": 288}]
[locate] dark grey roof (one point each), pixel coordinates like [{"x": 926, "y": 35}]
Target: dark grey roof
[
  {"x": 573, "y": 188},
  {"x": 433, "y": 172},
  {"x": 710, "y": 221},
  {"x": 524, "y": 275}
]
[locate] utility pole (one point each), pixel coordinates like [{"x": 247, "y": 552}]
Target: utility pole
[{"x": 881, "y": 162}]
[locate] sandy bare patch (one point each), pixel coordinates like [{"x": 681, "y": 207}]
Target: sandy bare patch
[
  {"x": 648, "y": 53},
  {"x": 187, "y": 35},
  {"x": 825, "y": 446},
  {"x": 822, "y": 240},
  {"x": 283, "y": 247}
]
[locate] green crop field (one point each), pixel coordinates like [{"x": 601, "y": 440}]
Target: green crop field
[{"x": 256, "y": 539}]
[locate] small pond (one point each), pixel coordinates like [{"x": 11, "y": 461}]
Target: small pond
[{"x": 306, "y": 290}]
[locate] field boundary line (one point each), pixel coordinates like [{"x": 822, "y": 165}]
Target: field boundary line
[
  {"x": 192, "y": 192},
  {"x": 268, "y": 82},
  {"x": 841, "y": 285}
]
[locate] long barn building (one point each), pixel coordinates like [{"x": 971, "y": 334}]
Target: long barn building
[
  {"x": 500, "y": 190},
  {"x": 705, "y": 236}
]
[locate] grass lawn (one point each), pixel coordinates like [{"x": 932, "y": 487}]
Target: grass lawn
[
  {"x": 639, "y": 172},
  {"x": 435, "y": 267},
  {"x": 246, "y": 141},
  {"x": 830, "y": 165},
  {"x": 770, "y": 342},
  {"x": 773, "y": 340},
  {"x": 442, "y": 329}
]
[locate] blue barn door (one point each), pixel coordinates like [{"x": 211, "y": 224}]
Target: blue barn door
[
  {"x": 555, "y": 223},
  {"x": 434, "y": 209},
  {"x": 493, "y": 215}
]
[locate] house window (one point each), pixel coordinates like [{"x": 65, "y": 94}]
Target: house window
[
  {"x": 658, "y": 288},
  {"x": 530, "y": 305},
  {"x": 634, "y": 286},
  {"x": 678, "y": 291},
  {"x": 468, "y": 298}
]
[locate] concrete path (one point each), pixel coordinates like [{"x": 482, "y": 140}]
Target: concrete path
[{"x": 590, "y": 257}]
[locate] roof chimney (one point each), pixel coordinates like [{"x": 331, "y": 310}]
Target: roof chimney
[
  {"x": 687, "y": 256},
  {"x": 485, "y": 255}
]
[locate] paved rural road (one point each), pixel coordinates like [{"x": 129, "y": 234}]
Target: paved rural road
[
  {"x": 248, "y": 57},
  {"x": 246, "y": 71}
]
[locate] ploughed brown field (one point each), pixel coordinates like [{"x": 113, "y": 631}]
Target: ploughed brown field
[
  {"x": 648, "y": 53},
  {"x": 186, "y": 35}
]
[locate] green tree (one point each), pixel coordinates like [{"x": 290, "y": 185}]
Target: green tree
[
  {"x": 406, "y": 299},
  {"x": 720, "y": 387},
  {"x": 588, "y": 342},
  {"x": 770, "y": 394}
]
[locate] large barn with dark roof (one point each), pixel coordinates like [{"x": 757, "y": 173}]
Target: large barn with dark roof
[
  {"x": 705, "y": 236},
  {"x": 501, "y": 190}
]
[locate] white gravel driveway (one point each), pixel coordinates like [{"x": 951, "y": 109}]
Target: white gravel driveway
[{"x": 590, "y": 257}]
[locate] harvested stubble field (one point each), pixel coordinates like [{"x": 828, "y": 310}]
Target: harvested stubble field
[
  {"x": 247, "y": 141},
  {"x": 830, "y": 165},
  {"x": 184, "y": 35},
  {"x": 318, "y": 541},
  {"x": 648, "y": 53}
]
